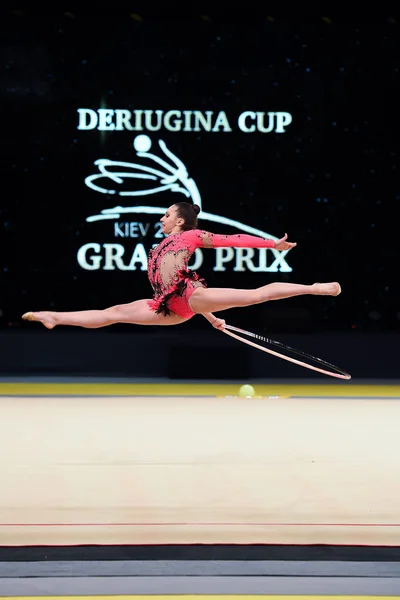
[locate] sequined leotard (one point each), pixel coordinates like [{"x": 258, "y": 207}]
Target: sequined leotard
[{"x": 172, "y": 282}]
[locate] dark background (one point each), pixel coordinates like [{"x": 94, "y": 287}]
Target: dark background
[{"x": 330, "y": 181}]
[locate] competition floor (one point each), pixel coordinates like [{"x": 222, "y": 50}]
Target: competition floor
[{"x": 132, "y": 465}]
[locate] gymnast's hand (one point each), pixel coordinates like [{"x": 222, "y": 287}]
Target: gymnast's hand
[
  {"x": 219, "y": 324},
  {"x": 282, "y": 244}
]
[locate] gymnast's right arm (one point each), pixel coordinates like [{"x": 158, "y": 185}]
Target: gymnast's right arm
[{"x": 205, "y": 239}]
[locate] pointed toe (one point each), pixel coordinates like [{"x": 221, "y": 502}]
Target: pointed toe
[
  {"x": 29, "y": 316},
  {"x": 339, "y": 291}
]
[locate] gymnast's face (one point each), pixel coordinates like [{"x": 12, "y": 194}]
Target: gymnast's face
[{"x": 171, "y": 222}]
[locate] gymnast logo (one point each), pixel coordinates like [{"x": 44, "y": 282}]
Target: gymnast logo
[
  {"x": 165, "y": 173},
  {"x": 173, "y": 178}
]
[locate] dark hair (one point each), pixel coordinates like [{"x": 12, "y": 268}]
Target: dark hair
[{"x": 188, "y": 212}]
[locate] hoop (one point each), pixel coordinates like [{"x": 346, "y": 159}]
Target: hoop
[{"x": 332, "y": 372}]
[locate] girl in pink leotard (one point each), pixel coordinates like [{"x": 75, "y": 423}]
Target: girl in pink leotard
[
  {"x": 173, "y": 283},
  {"x": 178, "y": 293}
]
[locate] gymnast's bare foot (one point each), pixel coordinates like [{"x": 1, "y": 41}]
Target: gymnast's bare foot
[
  {"x": 328, "y": 289},
  {"x": 46, "y": 318}
]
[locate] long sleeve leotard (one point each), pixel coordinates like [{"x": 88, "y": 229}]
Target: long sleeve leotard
[{"x": 168, "y": 262}]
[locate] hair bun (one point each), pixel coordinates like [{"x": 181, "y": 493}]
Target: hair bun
[{"x": 196, "y": 208}]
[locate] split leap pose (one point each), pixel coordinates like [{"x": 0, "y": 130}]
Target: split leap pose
[{"x": 178, "y": 293}]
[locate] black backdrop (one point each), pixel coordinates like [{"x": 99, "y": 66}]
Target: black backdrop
[{"x": 330, "y": 179}]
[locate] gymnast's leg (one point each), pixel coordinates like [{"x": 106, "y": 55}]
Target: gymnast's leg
[
  {"x": 135, "y": 313},
  {"x": 205, "y": 300}
]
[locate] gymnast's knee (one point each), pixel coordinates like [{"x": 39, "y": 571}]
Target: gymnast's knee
[
  {"x": 114, "y": 314},
  {"x": 256, "y": 296}
]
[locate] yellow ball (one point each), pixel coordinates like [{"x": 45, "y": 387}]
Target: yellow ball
[{"x": 246, "y": 391}]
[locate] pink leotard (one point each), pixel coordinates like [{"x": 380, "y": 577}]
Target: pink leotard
[{"x": 172, "y": 282}]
